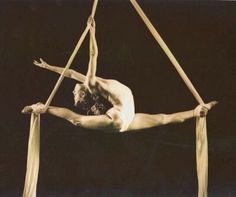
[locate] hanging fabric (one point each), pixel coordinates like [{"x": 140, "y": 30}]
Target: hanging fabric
[
  {"x": 33, "y": 157},
  {"x": 201, "y": 130}
]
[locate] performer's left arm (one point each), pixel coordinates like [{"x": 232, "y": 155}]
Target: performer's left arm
[{"x": 91, "y": 79}]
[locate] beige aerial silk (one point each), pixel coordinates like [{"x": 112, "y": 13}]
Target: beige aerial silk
[
  {"x": 33, "y": 157},
  {"x": 201, "y": 130},
  {"x": 32, "y": 168}
]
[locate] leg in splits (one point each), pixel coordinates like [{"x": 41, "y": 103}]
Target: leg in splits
[
  {"x": 111, "y": 122},
  {"x": 145, "y": 121},
  {"x": 114, "y": 121}
]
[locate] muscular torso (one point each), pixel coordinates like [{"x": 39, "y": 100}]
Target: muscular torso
[{"x": 119, "y": 95}]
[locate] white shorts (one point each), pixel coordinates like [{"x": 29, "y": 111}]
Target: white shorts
[{"x": 126, "y": 118}]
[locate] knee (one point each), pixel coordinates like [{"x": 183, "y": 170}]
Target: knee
[
  {"x": 75, "y": 121},
  {"x": 117, "y": 123}
]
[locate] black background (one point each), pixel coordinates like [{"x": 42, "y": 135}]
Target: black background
[{"x": 155, "y": 162}]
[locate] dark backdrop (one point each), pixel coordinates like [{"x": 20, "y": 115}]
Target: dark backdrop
[{"x": 155, "y": 162}]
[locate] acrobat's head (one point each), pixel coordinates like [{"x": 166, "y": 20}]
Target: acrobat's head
[
  {"x": 91, "y": 103},
  {"x": 82, "y": 96}
]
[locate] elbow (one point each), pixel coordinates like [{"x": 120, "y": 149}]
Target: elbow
[
  {"x": 76, "y": 121},
  {"x": 117, "y": 125}
]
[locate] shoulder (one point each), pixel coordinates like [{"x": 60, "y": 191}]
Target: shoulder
[
  {"x": 113, "y": 83},
  {"x": 112, "y": 86},
  {"x": 105, "y": 83}
]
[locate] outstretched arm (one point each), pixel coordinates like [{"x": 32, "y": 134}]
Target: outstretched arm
[
  {"x": 145, "y": 121},
  {"x": 70, "y": 73}
]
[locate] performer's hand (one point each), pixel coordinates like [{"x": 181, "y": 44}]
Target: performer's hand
[
  {"x": 41, "y": 64},
  {"x": 202, "y": 110},
  {"x": 91, "y": 22},
  {"x": 38, "y": 108},
  {"x": 93, "y": 25}
]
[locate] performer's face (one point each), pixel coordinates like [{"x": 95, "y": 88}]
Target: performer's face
[{"x": 80, "y": 94}]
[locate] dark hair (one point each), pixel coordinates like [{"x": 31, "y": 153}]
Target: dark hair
[
  {"x": 93, "y": 104},
  {"x": 100, "y": 105}
]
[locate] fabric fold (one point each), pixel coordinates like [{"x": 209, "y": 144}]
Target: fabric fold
[{"x": 32, "y": 168}]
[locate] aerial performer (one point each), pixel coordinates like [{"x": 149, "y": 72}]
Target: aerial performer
[
  {"x": 92, "y": 94},
  {"x": 121, "y": 115}
]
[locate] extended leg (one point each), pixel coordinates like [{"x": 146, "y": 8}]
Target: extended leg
[
  {"x": 145, "y": 121},
  {"x": 112, "y": 122},
  {"x": 100, "y": 122}
]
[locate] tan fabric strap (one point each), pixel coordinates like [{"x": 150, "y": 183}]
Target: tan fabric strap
[
  {"x": 78, "y": 45},
  {"x": 32, "y": 168},
  {"x": 33, "y": 156},
  {"x": 201, "y": 131},
  {"x": 165, "y": 48}
]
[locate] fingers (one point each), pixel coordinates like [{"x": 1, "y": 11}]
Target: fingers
[
  {"x": 91, "y": 21},
  {"x": 197, "y": 111},
  {"x": 27, "y": 110},
  {"x": 40, "y": 64},
  {"x": 203, "y": 112},
  {"x": 210, "y": 104},
  {"x": 36, "y": 63},
  {"x": 92, "y": 24},
  {"x": 92, "y": 29},
  {"x": 213, "y": 103},
  {"x": 41, "y": 60}
]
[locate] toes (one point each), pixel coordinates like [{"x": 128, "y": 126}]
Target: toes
[
  {"x": 27, "y": 110},
  {"x": 211, "y": 104}
]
